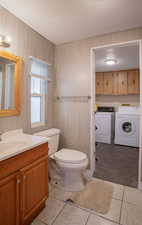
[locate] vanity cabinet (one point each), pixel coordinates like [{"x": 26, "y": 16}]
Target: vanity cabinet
[
  {"x": 23, "y": 186},
  {"x": 34, "y": 188},
  {"x": 9, "y": 200}
]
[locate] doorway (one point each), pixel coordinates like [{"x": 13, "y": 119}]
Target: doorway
[{"x": 117, "y": 155}]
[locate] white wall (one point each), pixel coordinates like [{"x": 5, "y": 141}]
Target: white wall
[
  {"x": 115, "y": 101},
  {"x": 25, "y": 42},
  {"x": 72, "y": 64}
]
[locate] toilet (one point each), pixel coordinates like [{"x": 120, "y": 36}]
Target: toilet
[{"x": 71, "y": 163}]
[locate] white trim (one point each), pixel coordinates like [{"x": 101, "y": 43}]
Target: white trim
[
  {"x": 36, "y": 95},
  {"x": 140, "y": 186},
  {"x": 40, "y": 124},
  {"x": 39, "y": 76},
  {"x": 117, "y": 44},
  {"x": 43, "y": 61},
  {"x": 140, "y": 149},
  {"x": 41, "y": 95},
  {"x": 92, "y": 122},
  {"x": 92, "y": 54}
]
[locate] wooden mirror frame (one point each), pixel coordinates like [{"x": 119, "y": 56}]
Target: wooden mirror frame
[{"x": 17, "y": 84}]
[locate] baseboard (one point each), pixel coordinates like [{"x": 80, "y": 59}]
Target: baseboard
[
  {"x": 88, "y": 174},
  {"x": 140, "y": 186}
]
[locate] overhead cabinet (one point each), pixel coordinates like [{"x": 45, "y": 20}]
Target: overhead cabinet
[
  {"x": 122, "y": 83},
  {"x": 117, "y": 83},
  {"x": 133, "y": 82},
  {"x": 99, "y": 83},
  {"x": 108, "y": 84}
]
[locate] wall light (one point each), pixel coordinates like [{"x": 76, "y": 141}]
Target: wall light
[
  {"x": 110, "y": 62},
  {"x": 5, "y": 41}
]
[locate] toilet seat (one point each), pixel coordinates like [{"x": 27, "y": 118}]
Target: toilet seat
[{"x": 70, "y": 156}]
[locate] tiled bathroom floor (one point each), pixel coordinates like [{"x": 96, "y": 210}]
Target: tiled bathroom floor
[{"x": 126, "y": 209}]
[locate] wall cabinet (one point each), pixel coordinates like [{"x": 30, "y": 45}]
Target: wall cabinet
[
  {"x": 122, "y": 83},
  {"x": 118, "y": 82},
  {"x": 99, "y": 83},
  {"x": 115, "y": 83},
  {"x": 108, "y": 84},
  {"x": 133, "y": 82},
  {"x": 24, "y": 192}
]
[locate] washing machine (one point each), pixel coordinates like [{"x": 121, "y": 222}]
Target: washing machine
[
  {"x": 127, "y": 121},
  {"x": 104, "y": 122}
]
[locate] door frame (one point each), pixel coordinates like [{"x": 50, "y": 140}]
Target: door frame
[{"x": 93, "y": 101}]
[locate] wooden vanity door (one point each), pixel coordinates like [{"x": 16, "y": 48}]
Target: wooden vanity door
[
  {"x": 9, "y": 200},
  {"x": 34, "y": 189}
]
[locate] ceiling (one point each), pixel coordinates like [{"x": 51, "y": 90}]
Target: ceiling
[
  {"x": 63, "y": 21},
  {"x": 127, "y": 57}
]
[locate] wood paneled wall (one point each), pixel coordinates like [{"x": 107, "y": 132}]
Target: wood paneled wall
[{"x": 25, "y": 42}]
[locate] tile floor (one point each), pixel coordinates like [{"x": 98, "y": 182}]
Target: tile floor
[{"x": 126, "y": 209}]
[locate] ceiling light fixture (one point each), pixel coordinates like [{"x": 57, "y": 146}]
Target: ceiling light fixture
[
  {"x": 5, "y": 41},
  {"x": 110, "y": 62}
]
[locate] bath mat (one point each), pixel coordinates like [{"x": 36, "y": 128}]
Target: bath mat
[{"x": 97, "y": 196}]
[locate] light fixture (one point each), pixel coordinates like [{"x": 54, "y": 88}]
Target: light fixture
[
  {"x": 5, "y": 41},
  {"x": 110, "y": 62}
]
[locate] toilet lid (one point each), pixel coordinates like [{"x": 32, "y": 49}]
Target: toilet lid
[{"x": 70, "y": 156}]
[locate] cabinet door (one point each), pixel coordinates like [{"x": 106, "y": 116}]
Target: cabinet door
[
  {"x": 99, "y": 83},
  {"x": 115, "y": 83},
  {"x": 9, "y": 200},
  {"x": 133, "y": 82},
  {"x": 122, "y": 83},
  {"x": 34, "y": 188},
  {"x": 108, "y": 83}
]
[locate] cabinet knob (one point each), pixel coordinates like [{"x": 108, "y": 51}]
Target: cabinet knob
[{"x": 24, "y": 177}]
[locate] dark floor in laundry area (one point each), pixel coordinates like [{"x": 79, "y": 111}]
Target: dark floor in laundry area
[{"x": 118, "y": 164}]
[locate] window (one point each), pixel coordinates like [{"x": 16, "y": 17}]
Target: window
[{"x": 39, "y": 87}]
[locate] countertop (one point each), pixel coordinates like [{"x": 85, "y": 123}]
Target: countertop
[{"x": 12, "y": 145}]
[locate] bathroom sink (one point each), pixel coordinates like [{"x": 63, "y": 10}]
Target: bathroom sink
[{"x": 6, "y": 146}]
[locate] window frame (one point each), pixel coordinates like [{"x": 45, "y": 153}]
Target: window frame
[{"x": 42, "y": 95}]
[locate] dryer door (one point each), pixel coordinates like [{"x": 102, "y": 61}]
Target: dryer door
[
  {"x": 127, "y": 127},
  {"x": 103, "y": 132},
  {"x": 127, "y": 130}
]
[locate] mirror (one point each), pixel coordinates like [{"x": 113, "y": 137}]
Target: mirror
[{"x": 10, "y": 79}]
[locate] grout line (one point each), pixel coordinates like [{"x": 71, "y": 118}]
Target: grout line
[
  {"x": 121, "y": 205},
  {"x": 92, "y": 212},
  {"x": 58, "y": 214},
  {"x": 88, "y": 219},
  {"x": 41, "y": 221}
]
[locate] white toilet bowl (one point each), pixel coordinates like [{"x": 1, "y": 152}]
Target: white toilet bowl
[
  {"x": 66, "y": 166},
  {"x": 72, "y": 164}
]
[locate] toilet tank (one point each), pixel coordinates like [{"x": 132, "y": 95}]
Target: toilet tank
[{"x": 54, "y": 135}]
